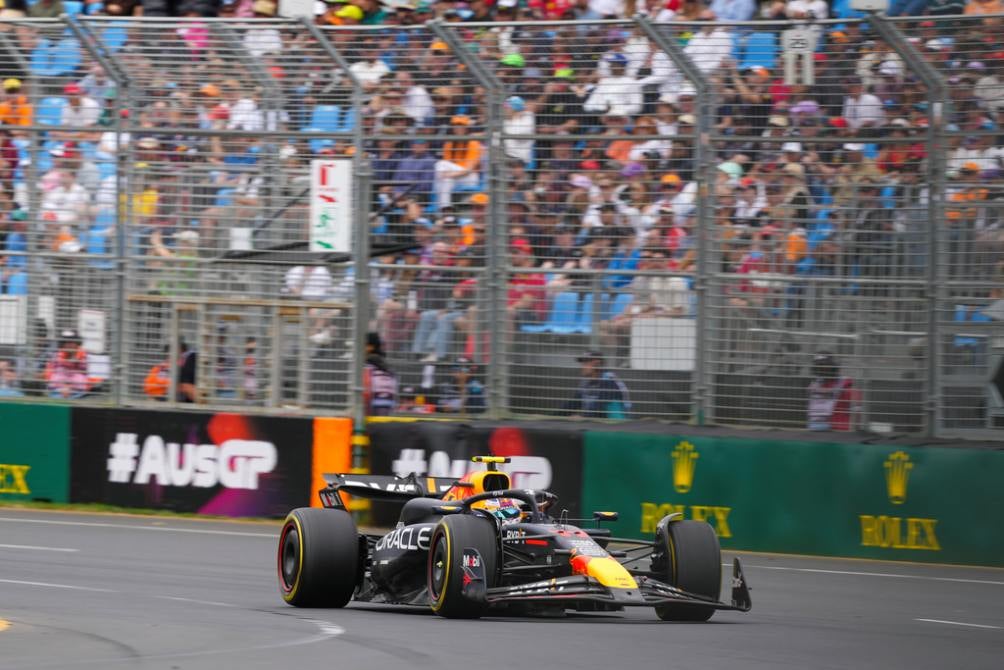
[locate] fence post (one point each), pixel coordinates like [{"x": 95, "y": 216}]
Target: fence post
[
  {"x": 496, "y": 233},
  {"x": 94, "y": 47},
  {"x": 703, "y": 381},
  {"x": 360, "y": 254},
  {"x": 937, "y": 93}
]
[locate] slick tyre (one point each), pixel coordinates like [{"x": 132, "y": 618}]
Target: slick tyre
[
  {"x": 318, "y": 558},
  {"x": 446, "y": 574},
  {"x": 693, "y": 562}
]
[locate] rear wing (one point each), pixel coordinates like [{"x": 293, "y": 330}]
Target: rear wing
[{"x": 384, "y": 487}]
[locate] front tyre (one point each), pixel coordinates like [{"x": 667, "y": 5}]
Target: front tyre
[
  {"x": 446, "y": 573},
  {"x": 689, "y": 557},
  {"x": 318, "y": 558}
]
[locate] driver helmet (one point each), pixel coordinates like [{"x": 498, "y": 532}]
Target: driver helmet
[{"x": 507, "y": 510}]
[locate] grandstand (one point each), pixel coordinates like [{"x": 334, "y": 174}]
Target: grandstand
[{"x": 564, "y": 177}]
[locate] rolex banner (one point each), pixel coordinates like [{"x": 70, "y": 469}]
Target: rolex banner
[
  {"x": 34, "y": 452},
  {"x": 860, "y": 500}
]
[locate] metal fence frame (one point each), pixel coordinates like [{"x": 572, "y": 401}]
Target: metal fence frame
[{"x": 703, "y": 386}]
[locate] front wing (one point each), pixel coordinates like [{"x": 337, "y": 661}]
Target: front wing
[{"x": 650, "y": 592}]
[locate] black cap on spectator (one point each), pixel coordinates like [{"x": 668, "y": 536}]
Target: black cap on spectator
[
  {"x": 373, "y": 340},
  {"x": 464, "y": 364},
  {"x": 591, "y": 355}
]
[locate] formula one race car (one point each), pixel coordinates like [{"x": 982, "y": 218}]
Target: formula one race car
[{"x": 475, "y": 546}]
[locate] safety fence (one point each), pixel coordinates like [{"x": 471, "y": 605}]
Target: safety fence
[{"x": 704, "y": 206}]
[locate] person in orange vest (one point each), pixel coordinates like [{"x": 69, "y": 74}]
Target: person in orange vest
[
  {"x": 15, "y": 110},
  {"x": 158, "y": 381},
  {"x": 461, "y": 161}
]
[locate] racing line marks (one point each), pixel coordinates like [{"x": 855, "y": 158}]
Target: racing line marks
[
  {"x": 163, "y": 529},
  {"x": 34, "y": 548},
  {"x": 960, "y": 623},
  {"x": 195, "y": 601},
  {"x": 50, "y": 585},
  {"x": 853, "y": 573}
]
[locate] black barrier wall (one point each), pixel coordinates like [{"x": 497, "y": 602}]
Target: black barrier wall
[
  {"x": 225, "y": 464},
  {"x": 542, "y": 458}
]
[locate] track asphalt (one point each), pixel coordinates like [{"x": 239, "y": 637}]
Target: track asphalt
[{"x": 93, "y": 591}]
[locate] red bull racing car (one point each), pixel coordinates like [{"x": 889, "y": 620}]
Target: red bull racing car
[{"x": 475, "y": 546}]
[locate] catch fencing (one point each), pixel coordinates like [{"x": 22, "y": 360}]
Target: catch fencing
[{"x": 705, "y": 205}]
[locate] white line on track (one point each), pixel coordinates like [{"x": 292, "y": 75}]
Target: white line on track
[
  {"x": 34, "y": 548},
  {"x": 163, "y": 529},
  {"x": 888, "y": 575},
  {"x": 959, "y": 623},
  {"x": 197, "y": 602},
  {"x": 328, "y": 628},
  {"x": 50, "y": 585}
]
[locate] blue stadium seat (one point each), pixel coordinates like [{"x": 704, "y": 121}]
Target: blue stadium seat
[
  {"x": 584, "y": 322},
  {"x": 115, "y": 36},
  {"x": 841, "y": 9},
  {"x": 471, "y": 188},
  {"x": 821, "y": 229},
  {"x": 88, "y": 150},
  {"x": 49, "y": 111},
  {"x": 225, "y": 197},
  {"x": 17, "y": 284},
  {"x": 318, "y": 143},
  {"x": 73, "y": 7},
  {"x": 326, "y": 117},
  {"x": 966, "y": 314},
  {"x": 761, "y": 50},
  {"x": 348, "y": 121},
  {"x": 95, "y": 241},
  {"x": 64, "y": 57},
  {"x": 562, "y": 318},
  {"x": 106, "y": 169},
  {"x": 617, "y": 306},
  {"x": 38, "y": 64}
]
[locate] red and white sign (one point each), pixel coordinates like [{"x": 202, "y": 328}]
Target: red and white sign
[{"x": 331, "y": 205}]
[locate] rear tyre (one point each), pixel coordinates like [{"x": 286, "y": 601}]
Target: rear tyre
[
  {"x": 445, "y": 575},
  {"x": 687, "y": 553},
  {"x": 318, "y": 558}
]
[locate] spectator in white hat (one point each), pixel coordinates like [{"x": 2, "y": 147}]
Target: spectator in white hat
[
  {"x": 519, "y": 121},
  {"x": 862, "y": 110}
]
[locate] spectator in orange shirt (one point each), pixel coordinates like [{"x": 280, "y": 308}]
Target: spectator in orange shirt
[
  {"x": 461, "y": 162},
  {"x": 15, "y": 110},
  {"x": 984, "y": 8}
]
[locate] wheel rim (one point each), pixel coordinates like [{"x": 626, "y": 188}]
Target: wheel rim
[
  {"x": 289, "y": 557},
  {"x": 437, "y": 568}
]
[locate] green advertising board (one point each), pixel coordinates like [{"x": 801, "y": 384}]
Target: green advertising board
[
  {"x": 942, "y": 505},
  {"x": 34, "y": 452}
]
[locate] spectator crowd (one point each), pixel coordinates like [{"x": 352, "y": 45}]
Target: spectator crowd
[{"x": 604, "y": 203}]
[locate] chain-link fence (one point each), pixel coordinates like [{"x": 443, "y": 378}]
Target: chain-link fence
[{"x": 763, "y": 223}]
